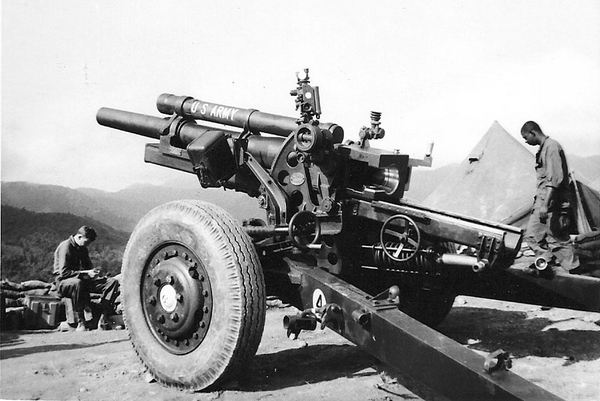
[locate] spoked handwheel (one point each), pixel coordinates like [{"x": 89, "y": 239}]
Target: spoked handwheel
[
  {"x": 400, "y": 238},
  {"x": 304, "y": 229},
  {"x": 193, "y": 294}
]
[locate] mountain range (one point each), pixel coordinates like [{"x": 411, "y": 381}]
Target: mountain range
[
  {"x": 36, "y": 217},
  {"x": 123, "y": 209}
]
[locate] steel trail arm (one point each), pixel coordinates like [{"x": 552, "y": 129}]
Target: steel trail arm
[{"x": 377, "y": 326}]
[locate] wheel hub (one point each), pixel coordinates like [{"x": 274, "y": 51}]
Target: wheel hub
[
  {"x": 168, "y": 298},
  {"x": 176, "y": 298}
]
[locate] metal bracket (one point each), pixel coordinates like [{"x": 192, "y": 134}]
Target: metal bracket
[
  {"x": 488, "y": 248},
  {"x": 497, "y": 360},
  {"x": 276, "y": 194}
]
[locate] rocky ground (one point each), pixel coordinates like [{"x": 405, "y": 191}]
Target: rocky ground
[{"x": 557, "y": 349}]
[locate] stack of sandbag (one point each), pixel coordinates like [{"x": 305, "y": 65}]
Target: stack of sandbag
[
  {"x": 13, "y": 300},
  {"x": 14, "y": 293}
]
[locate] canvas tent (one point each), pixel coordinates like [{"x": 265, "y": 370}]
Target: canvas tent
[{"x": 496, "y": 182}]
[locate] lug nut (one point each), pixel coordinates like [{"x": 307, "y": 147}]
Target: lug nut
[
  {"x": 196, "y": 336},
  {"x": 179, "y": 297},
  {"x": 205, "y": 293},
  {"x": 152, "y": 300},
  {"x": 170, "y": 279},
  {"x": 157, "y": 282},
  {"x": 175, "y": 317},
  {"x": 205, "y": 310},
  {"x": 161, "y": 319}
]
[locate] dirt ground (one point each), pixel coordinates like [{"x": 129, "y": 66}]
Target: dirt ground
[{"x": 557, "y": 349}]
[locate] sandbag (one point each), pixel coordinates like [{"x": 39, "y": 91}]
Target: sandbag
[
  {"x": 9, "y": 285},
  {"x": 34, "y": 285},
  {"x": 39, "y": 291},
  {"x": 11, "y": 294}
]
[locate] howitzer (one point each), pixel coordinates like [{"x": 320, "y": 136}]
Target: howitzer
[{"x": 338, "y": 241}]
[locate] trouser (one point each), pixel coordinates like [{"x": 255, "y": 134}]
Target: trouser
[
  {"x": 79, "y": 291},
  {"x": 548, "y": 240}
]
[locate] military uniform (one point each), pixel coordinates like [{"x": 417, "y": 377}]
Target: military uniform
[
  {"x": 69, "y": 260},
  {"x": 551, "y": 238}
]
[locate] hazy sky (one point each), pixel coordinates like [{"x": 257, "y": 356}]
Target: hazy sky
[{"x": 437, "y": 70}]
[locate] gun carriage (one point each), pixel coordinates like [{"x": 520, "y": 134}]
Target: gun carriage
[{"x": 338, "y": 241}]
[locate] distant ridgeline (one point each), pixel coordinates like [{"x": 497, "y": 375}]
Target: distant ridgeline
[{"x": 29, "y": 240}]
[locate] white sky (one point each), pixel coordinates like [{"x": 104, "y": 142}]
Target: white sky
[{"x": 437, "y": 70}]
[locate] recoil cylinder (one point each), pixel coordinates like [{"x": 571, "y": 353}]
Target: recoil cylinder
[{"x": 420, "y": 262}]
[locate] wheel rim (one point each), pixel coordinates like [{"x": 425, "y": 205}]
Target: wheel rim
[{"x": 176, "y": 297}]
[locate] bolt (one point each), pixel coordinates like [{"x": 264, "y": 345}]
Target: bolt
[
  {"x": 157, "y": 282},
  {"x": 174, "y": 317},
  {"x": 179, "y": 297},
  {"x": 176, "y": 343},
  {"x": 205, "y": 293},
  {"x": 205, "y": 310},
  {"x": 196, "y": 336},
  {"x": 202, "y": 324},
  {"x": 185, "y": 256},
  {"x": 157, "y": 261},
  {"x": 161, "y": 319},
  {"x": 170, "y": 279},
  {"x": 187, "y": 342},
  {"x": 201, "y": 277},
  {"x": 152, "y": 300}
]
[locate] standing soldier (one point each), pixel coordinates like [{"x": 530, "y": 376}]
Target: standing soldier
[{"x": 549, "y": 225}]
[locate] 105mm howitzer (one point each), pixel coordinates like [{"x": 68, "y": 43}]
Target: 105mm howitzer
[{"x": 338, "y": 242}]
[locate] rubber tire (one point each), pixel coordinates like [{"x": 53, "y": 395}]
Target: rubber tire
[{"x": 237, "y": 282}]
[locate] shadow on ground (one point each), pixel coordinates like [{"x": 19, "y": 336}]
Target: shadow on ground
[
  {"x": 519, "y": 334},
  {"x": 311, "y": 364},
  {"x": 8, "y": 338},
  {"x": 8, "y": 353}
]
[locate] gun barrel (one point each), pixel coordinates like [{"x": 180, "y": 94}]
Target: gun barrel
[
  {"x": 263, "y": 148},
  {"x": 140, "y": 124},
  {"x": 250, "y": 119},
  {"x": 186, "y": 106}
]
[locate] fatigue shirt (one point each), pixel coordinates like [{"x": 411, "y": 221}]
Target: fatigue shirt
[
  {"x": 70, "y": 258},
  {"x": 552, "y": 171}
]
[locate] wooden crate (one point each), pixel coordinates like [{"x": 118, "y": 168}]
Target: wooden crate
[{"x": 43, "y": 311}]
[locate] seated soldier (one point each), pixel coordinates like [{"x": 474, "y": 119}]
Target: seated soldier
[{"x": 77, "y": 278}]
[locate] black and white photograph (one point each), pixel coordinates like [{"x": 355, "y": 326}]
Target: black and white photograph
[{"x": 272, "y": 200}]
